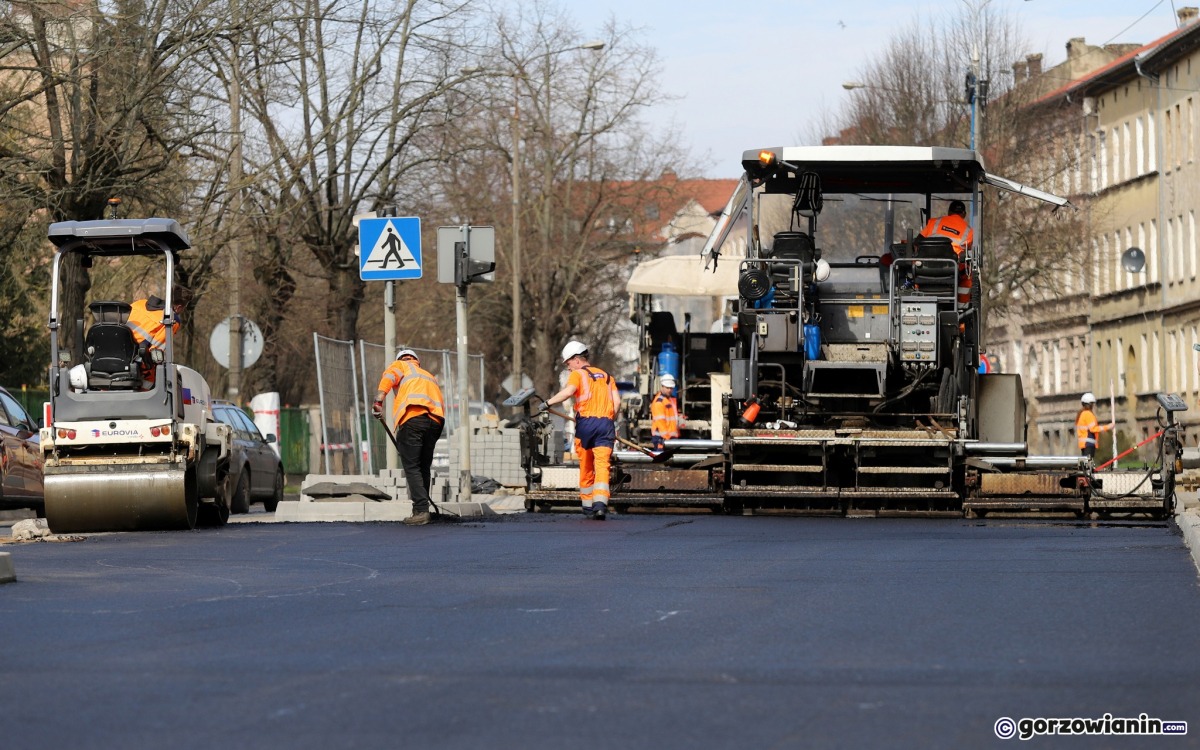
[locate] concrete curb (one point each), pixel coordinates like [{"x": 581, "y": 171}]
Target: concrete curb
[
  {"x": 7, "y": 573},
  {"x": 1188, "y": 520}
]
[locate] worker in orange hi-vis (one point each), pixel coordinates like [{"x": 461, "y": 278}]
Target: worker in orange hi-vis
[
  {"x": 1087, "y": 427},
  {"x": 418, "y": 411},
  {"x": 146, "y": 322},
  {"x": 664, "y": 414},
  {"x": 596, "y": 399},
  {"x": 953, "y": 225}
]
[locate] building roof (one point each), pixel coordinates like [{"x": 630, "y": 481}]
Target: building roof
[{"x": 1124, "y": 67}]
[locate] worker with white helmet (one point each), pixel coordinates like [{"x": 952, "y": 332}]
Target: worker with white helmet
[
  {"x": 419, "y": 415},
  {"x": 596, "y": 399},
  {"x": 1087, "y": 427},
  {"x": 664, "y": 413}
]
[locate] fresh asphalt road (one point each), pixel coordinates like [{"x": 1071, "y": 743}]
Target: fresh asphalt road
[{"x": 540, "y": 631}]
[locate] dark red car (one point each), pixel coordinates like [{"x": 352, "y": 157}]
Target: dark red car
[{"x": 20, "y": 457}]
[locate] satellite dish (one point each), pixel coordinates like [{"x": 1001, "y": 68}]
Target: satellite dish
[
  {"x": 251, "y": 338},
  {"x": 1133, "y": 260}
]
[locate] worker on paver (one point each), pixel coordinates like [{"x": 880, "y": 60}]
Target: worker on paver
[
  {"x": 419, "y": 414},
  {"x": 664, "y": 413},
  {"x": 596, "y": 399},
  {"x": 953, "y": 225},
  {"x": 1087, "y": 427}
]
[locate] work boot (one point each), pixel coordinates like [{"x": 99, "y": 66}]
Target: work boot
[
  {"x": 598, "y": 511},
  {"x": 418, "y": 519}
]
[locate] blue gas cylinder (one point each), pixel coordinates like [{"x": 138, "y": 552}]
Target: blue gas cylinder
[
  {"x": 668, "y": 361},
  {"x": 812, "y": 341}
]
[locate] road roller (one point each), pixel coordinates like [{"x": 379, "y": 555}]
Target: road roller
[{"x": 130, "y": 442}]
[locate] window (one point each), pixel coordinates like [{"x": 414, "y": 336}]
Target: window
[
  {"x": 16, "y": 416},
  {"x": 1139, "y": 135},
  {"x": 1103, "y": 177},
  {"x": 1152, "y": 253},
  {"x": 1141, "y": 243},
  {"x": 1169, "y": 251},
  {"x": 1181, "y": 252},
  {"x": 1152, "y": 144},
  {"x": 1103, "y": 282},
  {"x": 1191, "y": 123},
  {"x": 1192, "y": 243},
  {"x": 1058, "y": 367},
  {"x": 1184, "y": 362},
  {"x": 1168, "y": 133},
  {"x": 1127, "y": 153},
  {"x": 1155, "y": 358}
]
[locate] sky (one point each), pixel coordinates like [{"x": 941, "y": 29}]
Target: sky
[{"x": 776, "y": 64}]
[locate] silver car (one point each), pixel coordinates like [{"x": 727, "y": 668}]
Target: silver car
[{"x": 255, "y": 471}]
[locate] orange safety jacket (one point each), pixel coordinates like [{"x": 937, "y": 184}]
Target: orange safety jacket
[
  {"x": 1088, "y": 428},
  {"x": 953, "y": 226},
  {"x": 665, "y": 415},
  {"x": 595, "y": 392},
  {"x": 146, "y": 322},
  {"x": 417, "y": 392}
]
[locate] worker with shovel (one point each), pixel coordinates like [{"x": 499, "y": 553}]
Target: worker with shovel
[
  {"x": 419, "y": 415},
  {"x": 596, "y": 399}
]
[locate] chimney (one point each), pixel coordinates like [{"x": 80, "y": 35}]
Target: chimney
[
  {"x": 1018, "y": 71},
  {"x": 1034, "y": 62},
  {"x": 668, "y": 175},
  {"x": 1187, "y": 15},
  {"x": 1076, "y": 47}
]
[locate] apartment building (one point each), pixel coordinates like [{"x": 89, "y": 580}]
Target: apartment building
[{"x": 1132, "y": 125}]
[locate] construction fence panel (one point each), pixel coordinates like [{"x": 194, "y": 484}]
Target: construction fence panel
[{"x": 342, "y": 447}]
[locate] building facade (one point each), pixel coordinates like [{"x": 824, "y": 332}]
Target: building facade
[{"x": 1122, "y": 334}]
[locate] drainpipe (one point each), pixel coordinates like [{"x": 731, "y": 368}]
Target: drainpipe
[{"x": 1158, "y": 233}]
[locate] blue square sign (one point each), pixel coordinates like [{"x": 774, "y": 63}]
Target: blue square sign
[{"x": 389, "y": 248}]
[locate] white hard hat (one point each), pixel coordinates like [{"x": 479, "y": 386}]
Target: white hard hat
[
  {"x": 408, "y": 353},
  {"x": 668, "y": 380},
  {"x": 78, "y": 377},
  {"x": 822, "y": 270},
  {"x": 572, "y": 349},
  {"x": 1089, "y": 398}
]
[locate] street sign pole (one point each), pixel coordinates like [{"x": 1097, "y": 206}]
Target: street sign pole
[
  {"x": 457, "y": 266},
  {"x": 389, "y": 353},
  {"x": 461, "y": 281}
]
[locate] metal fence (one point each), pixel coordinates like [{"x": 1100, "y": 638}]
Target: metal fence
[
  {"x": 337, "y": 383},
  {"x": 441, "y": 363}
]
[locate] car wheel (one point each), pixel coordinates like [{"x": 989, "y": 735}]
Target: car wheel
[
  {"x": 271, "y": 503},
  {"x": 241, "y": 496}
]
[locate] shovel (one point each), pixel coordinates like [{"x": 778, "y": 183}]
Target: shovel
[
  {"x": 447, "y": 516},
  {"x": 657, "y": 458}
]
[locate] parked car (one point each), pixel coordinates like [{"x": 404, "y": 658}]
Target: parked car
[
  {"x": 20, "y": 457},
  {"x": 255, "y": 471}
]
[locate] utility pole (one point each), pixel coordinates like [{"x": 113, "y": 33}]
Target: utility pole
[
  {"x": 233, "y": 387},
  {"x": 518, "y": 334}
]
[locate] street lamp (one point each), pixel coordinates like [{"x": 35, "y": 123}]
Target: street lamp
[{"x": 518, "y": 333}]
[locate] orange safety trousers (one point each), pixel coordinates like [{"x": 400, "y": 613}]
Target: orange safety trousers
[{"x": 595, "y": 466}]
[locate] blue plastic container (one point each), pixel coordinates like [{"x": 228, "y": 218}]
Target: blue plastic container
[
  {"x": 668, "y": 361},
  {"x": 812, "y": 341}
]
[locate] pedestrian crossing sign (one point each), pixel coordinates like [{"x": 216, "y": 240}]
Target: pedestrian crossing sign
[{"x": 389, "y": 248}]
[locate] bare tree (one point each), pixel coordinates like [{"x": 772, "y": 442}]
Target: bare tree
[
  {"x": 97, "y": 109},
  {"x": 344, "y": 126},
  {"x": 587, "y": 165}
]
